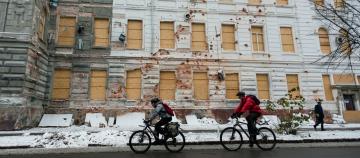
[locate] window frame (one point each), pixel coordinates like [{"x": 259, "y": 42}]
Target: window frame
[
  {"x": 269, "y": 85},
  {"x": 173, "y": 31},
  {"x": 222, "y": 38},
  {"x": 142, "y": 34},
  {"x": 105, "y": 84},
  {"x": 58, "y": 34},
  {"x": 205, "y": 38},
  {"x": 263, "y": 35},
  {"x": 293, "y": 39},
  {"x": 94, "y": 32},
  {"x": 53, "y": 82},
  {"x": 126, "y": 84}
]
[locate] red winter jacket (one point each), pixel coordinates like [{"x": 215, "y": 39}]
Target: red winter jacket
[{"x": 247, "y": 103}]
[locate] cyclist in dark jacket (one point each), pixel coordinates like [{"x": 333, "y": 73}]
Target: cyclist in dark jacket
[
  {"x": 319, "y": 115},
  {"x": 247, "y": 103},
  {"x": 165, "y": 118}
]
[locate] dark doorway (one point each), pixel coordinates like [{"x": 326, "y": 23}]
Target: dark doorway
[{"x": 349, "y": 102}]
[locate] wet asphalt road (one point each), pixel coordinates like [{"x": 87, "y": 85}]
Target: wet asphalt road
[{"x": 328, "y": 152}]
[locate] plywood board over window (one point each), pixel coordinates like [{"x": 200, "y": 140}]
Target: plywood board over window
[
  {"x": 254, "y": 2},
  {"x": 228, "y": 37},
  {"x": 167, "y": 85},
  {"x": 287, "y": 39},
  {"x": 293, "y": 82},
  {"x": 257, "y": 38},
  {"x": 133, "y": 84},
  {"x": 344, "y": 79},
  {"x": 101, "y": 29},
  {"x": 327, "y": 88},
  {"x": 319, "y": 3},
  {"x": 98, "y": 85},
  {"x": 201, "y": 85},
  {"x": 282, "y": 2},
  {"x": 167, "y": 37},
  {"x": 339, "y": 3},
  {"x": 198, "y": 37},
  {"x": 61, "y": 84},
  {"x": 345, "y": 46},
  {"x": 324, "y": 41},
  {"x": 134, "y": 34},
  {"x": 66, "y": 31},
  {"x": 263, "y": 86},
  {"x": 232, "y": 85}
]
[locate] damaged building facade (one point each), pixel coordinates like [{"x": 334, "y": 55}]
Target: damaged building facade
[
  {"x": 23, "y": 62},
  {"x": 112, "y": 56}
]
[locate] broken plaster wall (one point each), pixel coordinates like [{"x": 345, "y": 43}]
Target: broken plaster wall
[{"x": 23, "y": 63}]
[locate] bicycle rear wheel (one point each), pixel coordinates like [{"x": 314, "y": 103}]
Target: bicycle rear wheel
[
  {"x": 175, "y": 144},
  {"x": 140, "y": 142},
  {"x": 266, "y": 139},
  {"x": 231, "y": 139}
]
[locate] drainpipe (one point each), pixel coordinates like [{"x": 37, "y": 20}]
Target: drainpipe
[
  {"x": 6, "y": 13},
  {"x": 152, "y": 25}
]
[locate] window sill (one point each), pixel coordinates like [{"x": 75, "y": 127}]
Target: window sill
[
  {"x": 290, "y": 53},
  {"x": 62, "y": 46},
  {"x": 260, "y": 53},
  {"x": 257, "y": 5},
  {"x": 285, "y": 6},
  {"x": 100, "y": 47}
]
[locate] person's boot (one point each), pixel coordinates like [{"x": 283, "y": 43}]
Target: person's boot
[
  {"x": 251, "y": 141},
  {"x": 315, "y": 127}
]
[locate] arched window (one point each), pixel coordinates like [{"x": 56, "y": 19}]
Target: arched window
[{"x": 324, "y": 41}]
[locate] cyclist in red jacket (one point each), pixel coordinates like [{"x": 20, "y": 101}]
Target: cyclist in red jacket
[{"x": 249, "y": 103}]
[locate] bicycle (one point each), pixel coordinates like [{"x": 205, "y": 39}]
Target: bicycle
[
  {"x": 231, "y": 138},
  {"x": 174, "y": 142}
]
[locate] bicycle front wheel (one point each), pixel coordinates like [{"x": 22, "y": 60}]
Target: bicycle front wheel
[
  {"x": 175, "y": 144},
  {"x": 140, "y": 142},
  {"x": 231, "y": 139},
  {"x": 266, "y": 139}
]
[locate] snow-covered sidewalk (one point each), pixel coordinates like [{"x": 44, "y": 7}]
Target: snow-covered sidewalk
[{"x": 81, "y": 136}]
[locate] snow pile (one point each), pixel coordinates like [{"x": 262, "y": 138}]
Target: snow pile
[
  {"x": 207, "y": 121},
  {"x": 62, "y": 140},
  {"x": 338, "y": 119},
  {"x": 110, "y": 137}
]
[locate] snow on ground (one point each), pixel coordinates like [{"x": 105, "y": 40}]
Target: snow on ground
[{"x": 197, "y": 130}]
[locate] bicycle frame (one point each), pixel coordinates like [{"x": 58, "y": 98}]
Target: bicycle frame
[
  {"x": 239, "y": 123},
  {"x": 149, "y": 130}
]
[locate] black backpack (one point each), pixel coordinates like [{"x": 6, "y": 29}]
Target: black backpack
[{"x": 255, "y": 99}]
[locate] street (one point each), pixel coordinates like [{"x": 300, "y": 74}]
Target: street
[{"x": 320, "y": 152}]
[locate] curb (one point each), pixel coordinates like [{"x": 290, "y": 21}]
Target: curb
[{"x": 218, "y": 143}]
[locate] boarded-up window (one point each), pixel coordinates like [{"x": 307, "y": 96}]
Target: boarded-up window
[
  {"x": 134, "y": 34},
  {"x": 282, "y": 2},
  {"x": 232, "y": 85},
  {"x": 201, "y": 85},
  {"x": 339, "y": 3},
  {"x": 167, "y": 85},
  {"x": 98, "y": 85},
  {"x": 198, "y": 37},
  {"x": 41, "y": 28},
  {"x": 327, "y": 87},
  {"x": 257, "y": 38},
  {"x": 61, "y": 84},
  {"x": 66, "y": 32},
  {"x": 228, "y": 37},
  {"x": 358, "y": 78},
  {"x": 319, "y": 3},
  {"x": 293, "y": 84},
  {"x": 101, "y": 30},
  {"x": 345, "y": 45},
  {"x": 287, "y": 39},
  {"x": 133, "y": 84},
  {"x": 324, "y": 41},
  {"x": 263, "y": 86},
  {"x": 347, "y": 79},
  {"x": 167, "y": 38},
  {"x": 255, "y": 2}
]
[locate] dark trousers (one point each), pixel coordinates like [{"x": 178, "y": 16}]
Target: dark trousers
[
  {"x": 319, "y": 120},
  {"x": 251, "y": 119},
  {"x": 158, "y": 125}
]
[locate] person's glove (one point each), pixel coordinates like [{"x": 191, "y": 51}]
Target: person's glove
[
  {"x": 146, "y": 121},
  {"x": 236, "y": 114}
]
